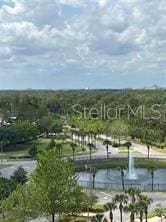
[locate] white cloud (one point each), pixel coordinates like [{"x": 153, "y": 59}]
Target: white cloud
[{"x": 107, "y": 37}]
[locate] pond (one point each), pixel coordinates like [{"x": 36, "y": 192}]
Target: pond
[{"x": 111, "y": 178}]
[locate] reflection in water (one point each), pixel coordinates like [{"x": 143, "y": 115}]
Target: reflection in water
[{"x": 114, "y": 176}]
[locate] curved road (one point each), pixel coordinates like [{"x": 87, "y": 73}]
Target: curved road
[{"x": 100, "y": 153}]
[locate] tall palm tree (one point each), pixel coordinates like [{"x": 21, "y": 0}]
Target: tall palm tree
[
  {"x": 122, "y": 200},
  {"x": 145, "y": 201},
  {"x": 148, "y": 149},
  {"x": 128, "y": 145},
  {"x": 140, "y": 206},
  {"x": 90, "y": 150},
  {"x": 73, "y": 146},
  {"x": 132, "y": 208},
  {"x": 122, "y": 168},
  {"x": 152, "y": 170},
  {"x": 133, "y": 192},
  {"x": 107, "y": 143},
  {"x": 93, "y": 171},
  {"x": 111, "y": 207}
]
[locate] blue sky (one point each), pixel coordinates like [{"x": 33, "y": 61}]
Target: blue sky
[{"x": 61, "y": 44}]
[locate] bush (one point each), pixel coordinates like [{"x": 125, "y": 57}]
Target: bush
[{"x": 116, "y": 145}]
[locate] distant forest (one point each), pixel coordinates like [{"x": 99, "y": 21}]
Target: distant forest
[{"x": 34, "y": 105}]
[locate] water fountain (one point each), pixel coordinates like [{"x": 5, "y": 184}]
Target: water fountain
[{"x": 132, "y": 175}]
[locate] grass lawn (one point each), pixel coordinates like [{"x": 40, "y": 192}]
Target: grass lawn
[
  {"x": 123, "y": 149},
  {"x": 21, "y": 150},
  {"x": 4, "y": 166},
  {"x": 117, "y": 162},
  {"x": 159, "y": 150}
]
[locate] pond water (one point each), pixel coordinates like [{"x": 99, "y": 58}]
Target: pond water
[{"x": 111, "y": 178}]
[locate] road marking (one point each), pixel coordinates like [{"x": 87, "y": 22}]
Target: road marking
[{"x": 106, "y": 194}]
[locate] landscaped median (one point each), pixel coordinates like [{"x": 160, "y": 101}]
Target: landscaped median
[{"x": 119, "y": 162}]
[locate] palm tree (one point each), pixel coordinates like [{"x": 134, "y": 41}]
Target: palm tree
[
  {"x": 107, "y": 142},
  {"x": 145, "y": 201},
  {"x": 122, "y": 200},
  {"x": 148, "y": 149},
  {"x": 111, "y": 207},
  {"x": 73, "y": 146},
  {"x": 72, "y": 134},
  {"x": 140, "y": 206},
  {"x": 90, "y": 150},
  {"x": 152, "y": 170},
  {"x": 121, "y": 168},
  {"x": 132, "y": 208},
  {"x": 128, "y": 145},
  {"x": 93, "y": 171},
  {"x": 133, "y": 192}
]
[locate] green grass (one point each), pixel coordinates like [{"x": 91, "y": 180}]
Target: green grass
[
  {"x": 116, "y": 162},
  {"x": 159, "y": 149},
  {"x": 2, "y": 166},
  {"x": 123, "y": 149},
  {"x": 21, "y": 150}
]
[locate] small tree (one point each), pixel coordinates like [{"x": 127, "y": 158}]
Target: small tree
[
  {"x": 94, "y": 171},
  {"x": 152, "y": 170},
  {"x": 33, "y": 151},
  {"x": 122, "y": 200},
  {"x": 19, "y": 175},
  {"x": 56, "y": 183},
  {"x": 52, "y": 144},
  {"x": 73, "y": 146},
  {"x": 145, "y": 201},
  {"x": 7, "y": 186},
  {"x": 128, "y": 145},
  {"x": 121, "y": 169},
  {"x": 111, "y": 207}
]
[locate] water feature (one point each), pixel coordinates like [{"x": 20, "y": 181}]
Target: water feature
[
  {"x": 111, "y": 178},
  {"x": 132, "y": 175}
]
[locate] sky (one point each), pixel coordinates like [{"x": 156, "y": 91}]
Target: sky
[{"x": 72, "y": 44}]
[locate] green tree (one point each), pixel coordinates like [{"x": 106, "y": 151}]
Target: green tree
[
  {"x": 121, "y": 169},
  {"x": 19, "y": 175},
  {"x": 56, "y": 126},
  {"x": 111, "y": 207},
  {"x": 33, "y": 151},
  {"x": 21, "y": 204},
  {"x": 56, "y": 183},
  {"x": 7, "y": 186},
  {"x": 73, "y": 146},
  {"x": 152, "y": 171},
  {"x": 94, "y": 171},
  {"x": 145, "y": 201},
  {"x": 133, "y": 193},
  {"x": 52, "y": 144},
  {"x": 122, "y": 200},
  {"x": 128, "y": 145},
  {"x": 118, "y": 129},
  {"x": 132, "y": 209}
]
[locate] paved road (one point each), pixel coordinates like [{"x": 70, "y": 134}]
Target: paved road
[
  {"x": 8, "y": 171},
  {"x": 142, "y": 150},
  {"x": 99, "y": 153}
]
